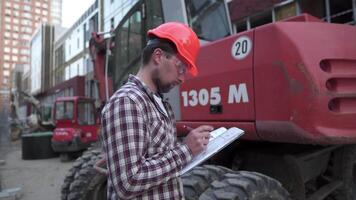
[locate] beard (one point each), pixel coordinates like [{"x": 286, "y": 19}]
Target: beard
[{"x": 161, "y": 87}]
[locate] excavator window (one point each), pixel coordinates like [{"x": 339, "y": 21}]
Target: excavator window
[
  {"x": 208, "y": 18},
  {"x": 64, "y": 110},
  {"x": 86, "y": 114}
]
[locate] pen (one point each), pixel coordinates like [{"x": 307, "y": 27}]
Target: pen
[{"x": 188, "y": 128}]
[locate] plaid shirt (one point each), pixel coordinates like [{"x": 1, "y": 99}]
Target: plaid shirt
[{"x": 142, "y": 152}]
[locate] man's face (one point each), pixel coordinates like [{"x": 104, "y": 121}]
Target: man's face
[{"x": 169, "y": 73}]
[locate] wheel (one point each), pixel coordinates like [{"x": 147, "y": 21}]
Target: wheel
[
  {"x": 97, "y": 188},
  {"x": 243, "y": 185},
  {"x": 69, "y": 156},
  {"x": 344, "y": 169},
  {"x": 198, "y": 180},
  {"x": 73, "y": 173},
  {"x": 88, "y": 184}
]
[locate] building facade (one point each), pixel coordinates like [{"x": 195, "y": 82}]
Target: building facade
[
  {"x": 247, "y": 14},
  {"x": 19, "y": 20},
  {"x": 41, "y": 59},
  {"x": 71, "y": 57},
  {"x": 114, "y": 11}
]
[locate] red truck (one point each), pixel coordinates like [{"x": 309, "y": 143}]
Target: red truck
[
  {"x": 291, "y": 85},
  {"x": 76, "y": 127}
]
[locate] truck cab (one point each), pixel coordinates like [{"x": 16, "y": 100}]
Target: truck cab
[{"x": 76, "y": 124}]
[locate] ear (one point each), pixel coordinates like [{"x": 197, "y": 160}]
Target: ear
[{"x": 157, "y": 56}]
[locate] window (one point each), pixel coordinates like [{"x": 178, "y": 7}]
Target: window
[
  {"x": 24, "y": 59},
  {"x": 6, "y": 73},
  {"x": 15, "y": 42},
  {"x": 26, "y": 22},
  {"x": 5, "y": 80},
  {"x": 16, "y": 21},
  {"x": 128, "y": 36},
  {"x": 38, "y": 11},
  {"x": 77, "y": 42},
  {"x": 86, "y": 113},
  {"x": 8, "y": 11},
  {"x": 25, "y": 51},
  {"x": 26, "y": 37},
  {"x": 7, "y": 34},
  {"x": 261, "y": 19},
  {"x": 15, "y": 58},
  {"x": 7, "y": 50},
  {"x": 16, "y": 6},
  {"x": 64, "y": 110},
  {"x": 7, "y": 42},
  {"x": 241, "y": 26},
  {"x": 7, "y": 57},
  {"x": 6, "y": 65},
  {"x": 285, "y": 11},
  {"x": 27, "y": 8},
  {"x": 341, "y": 11},
  {"x": 16, "y": 13},
  {"x": 15, "y": 51},
  {"x": 15, "y": 28},
  {"x": 112, "y": 23},
  {"x": 208, "y": 18},
  {"x": 27, "y": 15},
  {"x": 154, "y": 14},
  {"x": 7, "y": 19},
  {"x": 44, "y": 12}
]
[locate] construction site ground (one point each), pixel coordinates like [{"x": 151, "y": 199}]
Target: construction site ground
[{"x": 38, "y": 179}]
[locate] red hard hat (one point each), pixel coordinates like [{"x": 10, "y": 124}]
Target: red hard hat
[{"x": 184, "y": 38}]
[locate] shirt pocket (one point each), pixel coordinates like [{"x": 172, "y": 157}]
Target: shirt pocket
[{"x": 160, "y": 136}]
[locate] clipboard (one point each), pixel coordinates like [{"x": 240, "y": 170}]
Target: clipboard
[{"x": 219, "y": 139}]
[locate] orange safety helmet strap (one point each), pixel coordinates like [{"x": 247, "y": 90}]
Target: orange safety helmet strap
[{"x": 184, "y": 38}]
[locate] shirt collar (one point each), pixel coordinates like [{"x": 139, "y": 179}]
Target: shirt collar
[{"x": 135, "y": 80}]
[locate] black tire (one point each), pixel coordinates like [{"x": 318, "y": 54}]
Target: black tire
[
  {"x": 243, "y": 185},
  {"x": 344, "y": 169},
  {"x": 198, "y": 180},
  {"x": 73, "y": 173},
  {"x": 97, "y": 188},
  {"x": 88, "y": 182}
]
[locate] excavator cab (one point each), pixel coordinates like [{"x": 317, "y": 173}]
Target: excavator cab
[{"x": 76, "y": 125}]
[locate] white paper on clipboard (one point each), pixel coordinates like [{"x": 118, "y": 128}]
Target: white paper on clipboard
[{"x": 220, "y": 138}]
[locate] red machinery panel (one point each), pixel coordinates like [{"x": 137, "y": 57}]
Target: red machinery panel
[
  {"x": 223, "y": 90},
  {"x": 305, "y": 82}
]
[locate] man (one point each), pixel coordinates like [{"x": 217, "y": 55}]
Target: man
[{"x": 142, "y": 152}]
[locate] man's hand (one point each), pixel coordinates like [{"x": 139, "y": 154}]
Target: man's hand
[{"x": 198, "y": 139}]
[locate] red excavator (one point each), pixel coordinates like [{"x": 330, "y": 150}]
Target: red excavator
[{"x": 291, "y": 85}]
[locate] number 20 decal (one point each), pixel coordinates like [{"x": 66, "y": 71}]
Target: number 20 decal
[{"x": 241, "y": 47}]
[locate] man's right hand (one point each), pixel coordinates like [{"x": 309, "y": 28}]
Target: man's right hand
[{"x": 198, "y": 139}]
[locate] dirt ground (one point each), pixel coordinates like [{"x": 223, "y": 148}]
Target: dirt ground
[{"x": 39, "y": 179}]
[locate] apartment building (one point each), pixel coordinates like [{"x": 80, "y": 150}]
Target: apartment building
[{"x": 19, "y": 20}]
